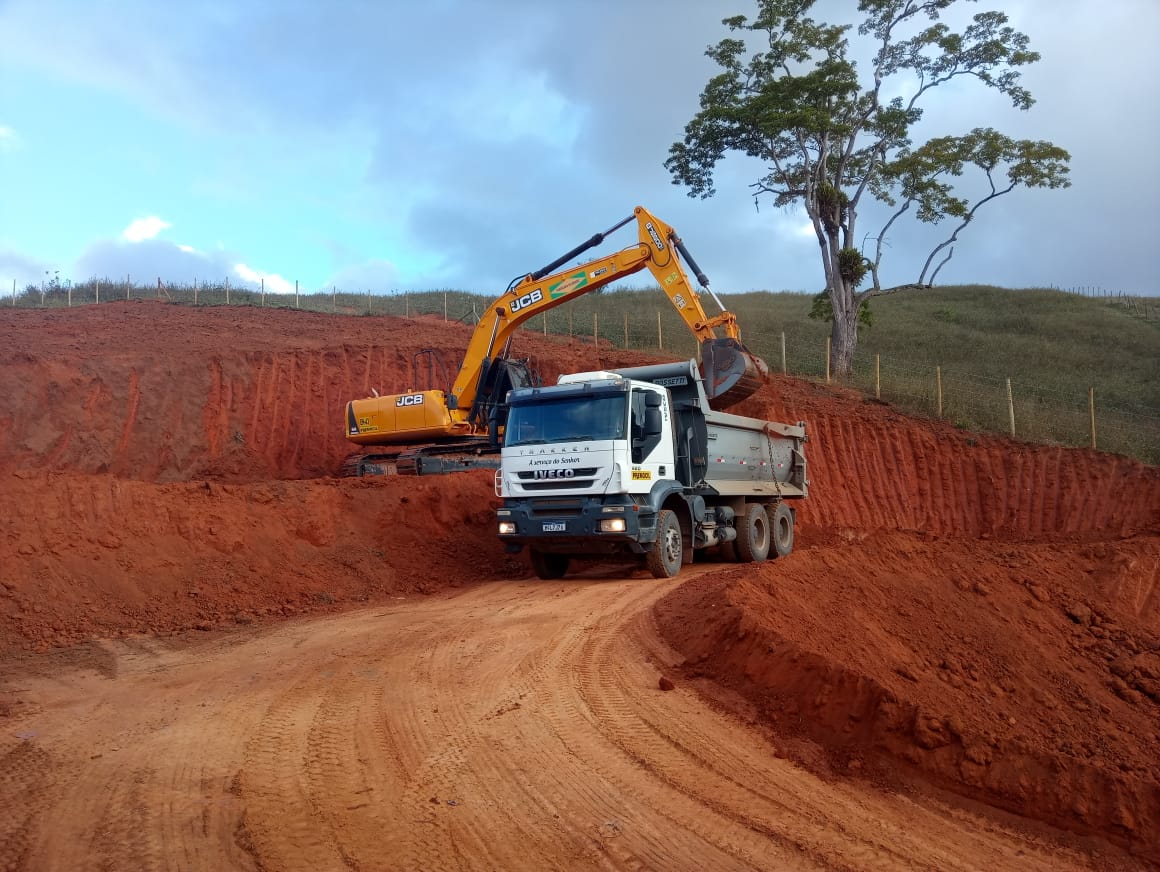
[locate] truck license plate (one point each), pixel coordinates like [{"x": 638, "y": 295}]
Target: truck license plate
[{"x": 555, "y": 527}]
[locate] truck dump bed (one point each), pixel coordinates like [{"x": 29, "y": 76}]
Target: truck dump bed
[{"x": 725, "y": 452}]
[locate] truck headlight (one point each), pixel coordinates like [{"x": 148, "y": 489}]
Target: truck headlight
[
  {"x": 612, "y": 525},
  {"x": 506, "y": 528}
]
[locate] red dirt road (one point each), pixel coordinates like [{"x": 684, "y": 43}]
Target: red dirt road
[
  {"x": 515, "y": 726},
  {"x": 958, "y": 667}
]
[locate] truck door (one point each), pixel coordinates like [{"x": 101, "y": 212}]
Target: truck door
[{"x": 652, "y": 457}]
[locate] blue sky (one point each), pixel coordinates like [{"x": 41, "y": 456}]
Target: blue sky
[{"x": 456, "y": 144}]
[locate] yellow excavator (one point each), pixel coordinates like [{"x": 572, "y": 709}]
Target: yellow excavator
[{"x": 435, "y": 431}]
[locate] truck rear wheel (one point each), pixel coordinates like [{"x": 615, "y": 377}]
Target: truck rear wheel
[
  {"x": 753, "y": 535},
  {"x": 549, "y": 566},
  {"x": 782, "y": 523},
  {"x": 664, "y": 557}
]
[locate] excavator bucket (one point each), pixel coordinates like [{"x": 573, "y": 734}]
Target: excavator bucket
[{"x": 731, "y": 372}]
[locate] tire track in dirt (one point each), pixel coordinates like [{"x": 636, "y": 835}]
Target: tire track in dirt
[{"x": 28, "y": 778}]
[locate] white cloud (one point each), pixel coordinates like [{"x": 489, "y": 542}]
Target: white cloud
[
  {"x": 275, "y": 283},
  {"x": 8, "y": 139},
  {"x": 188, "y": 249},
  {"x": 144, "y": 228}
]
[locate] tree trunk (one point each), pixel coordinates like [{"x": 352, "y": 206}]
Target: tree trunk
[{"x": 843, "y": 341}]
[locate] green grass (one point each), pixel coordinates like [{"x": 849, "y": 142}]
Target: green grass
[{"x": 1052, "y": 345}]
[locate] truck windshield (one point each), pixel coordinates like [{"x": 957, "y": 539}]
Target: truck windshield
[{"x": 571, "y": 419}]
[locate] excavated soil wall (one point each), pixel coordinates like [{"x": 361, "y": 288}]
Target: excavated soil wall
[{"x": 972, "y": 610}]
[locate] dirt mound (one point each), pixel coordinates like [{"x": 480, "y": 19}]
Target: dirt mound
[
  {"x": 982, "y": 613},
  {"x": 97, "y": 555}
]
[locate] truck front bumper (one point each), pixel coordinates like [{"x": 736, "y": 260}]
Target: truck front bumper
[{"x": 581, "y": 526}]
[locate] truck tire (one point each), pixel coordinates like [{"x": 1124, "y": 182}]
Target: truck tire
[
  {"x": 753, "y": 535},
  {"x": 549, "y": 566},
  {"x": 664, "y": 557},
  {"x": 782, "y": 526}
]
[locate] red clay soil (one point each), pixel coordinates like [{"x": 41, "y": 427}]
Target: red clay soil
[
  {"x": 977, "y": 612},
  {"x": 982, "y": 613}
]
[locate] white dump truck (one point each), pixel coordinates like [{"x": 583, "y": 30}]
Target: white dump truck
[{"x": 635, "y": 463}]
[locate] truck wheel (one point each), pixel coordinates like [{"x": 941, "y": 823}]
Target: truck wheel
[
  {"x": 753, "y": 536},
  {"x": 548, "y": 565},
  {"x": 664, "y": 557},
  {"x": 782, "y": 523}
]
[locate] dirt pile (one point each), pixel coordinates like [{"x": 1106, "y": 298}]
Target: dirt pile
[
  {"x": 982, "y": 613},
  {"x": 84, "y": 556}
]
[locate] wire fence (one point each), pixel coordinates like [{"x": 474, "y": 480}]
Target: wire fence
[{"x": 970, "y": 400}]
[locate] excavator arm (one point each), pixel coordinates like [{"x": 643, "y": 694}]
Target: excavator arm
[{"x": 658, "y": 249}]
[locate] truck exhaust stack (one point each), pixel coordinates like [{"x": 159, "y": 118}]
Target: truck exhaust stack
[{"x": 731, "y": 372}]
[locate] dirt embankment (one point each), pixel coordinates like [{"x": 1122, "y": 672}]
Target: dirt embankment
[
  {"x": 977, "y": 611},
  {"x": 980, "y": 612},
  {"x": 166, "y": 393}
]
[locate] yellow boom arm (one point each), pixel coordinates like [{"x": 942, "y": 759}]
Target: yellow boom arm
[{"x": 659, "y": 248}]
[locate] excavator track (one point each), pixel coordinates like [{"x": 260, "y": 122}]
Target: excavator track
[{"x": 427, "y": 460}]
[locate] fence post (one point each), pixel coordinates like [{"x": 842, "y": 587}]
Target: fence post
[
  {"x": 827, "y": 360},
  {"x": 660, "y": 334},
  {"x": 1010, "y": 407},
  {"x": 1092, "y": 412},
  {"x": 445, "y": 312},
  {"x": 295, "y": 293},
  {"x": 333, "y": 300},
  {"x": 263, "y": 280},
  {"x": 877, "y": 376},
  {"x": 195, "y": 292},
  {"x": 595, "y": 328},
  {"x": 70, "y": 296},
  {"x": 14, "y": 291},
  {"x": 407, "y": 304},
  {"x": 938, "y": 382},
  {"x": 227, "y": 290},
  {"x": 626, "y": 328},
  {"x": 127, "y": 283},
  {"x": 783, "y": 369},
  {"x": 545, "y": 323},
  {"x": 98, "y": 291}
]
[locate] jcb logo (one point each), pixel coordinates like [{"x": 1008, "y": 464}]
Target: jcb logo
[
  {"x": 527, "y": 300},
  {"x": 410, "y": 400}
]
